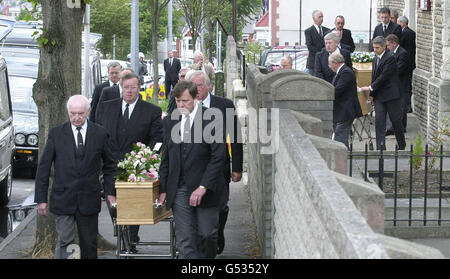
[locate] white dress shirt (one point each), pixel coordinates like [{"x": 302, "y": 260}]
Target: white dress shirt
[
  {"x": 82, "y": 131},
  {"x": 207, "y": 101},
  {"x": 318, "y": 28},
  {"x": 130, "y": 107},
  {"x": 191, "y": 118}
]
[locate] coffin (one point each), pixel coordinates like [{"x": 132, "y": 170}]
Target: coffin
[
  {"x": 135, "y": 203},
  {"x": 363, "y": 72}
]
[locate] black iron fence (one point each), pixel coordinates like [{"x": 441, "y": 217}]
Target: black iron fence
[{"x": 416, "y": 185}]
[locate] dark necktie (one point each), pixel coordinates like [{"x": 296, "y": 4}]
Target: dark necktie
[
  {"x": 187, "y": 130},
  {"x": 115, "y": 84},
  {"x": 384, "y": 30},
  {"x": 126, "y": 114},
  {"x": 80, "y": 146},
  {"x": 320, "y": 31}
]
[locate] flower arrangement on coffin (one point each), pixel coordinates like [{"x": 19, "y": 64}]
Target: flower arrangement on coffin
[
  {"x": 362, "y": 57},
  {"x": 140, "y": 165}
]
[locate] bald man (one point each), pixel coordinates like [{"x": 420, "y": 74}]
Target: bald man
[{"x": 78, "y": 150}]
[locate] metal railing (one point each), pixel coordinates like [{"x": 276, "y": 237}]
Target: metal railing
[{"x": 405, "y": 177}]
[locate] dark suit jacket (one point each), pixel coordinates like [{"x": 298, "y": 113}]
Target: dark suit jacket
[
  {"x": 95, "y": 98},
  {"x": 172, "y": 104},
  {"x": 408, "y": 42},
  {"x": 345, "y": 95},
  {"x": 203, "y": 165},
  {"x": 315, "y": 43},
  {"x": 392, "y": 28},
  {"x": 145, "y": 124},
  {"x": 347, "y": 40},
  {"x": 385, "y": 83},
  {"x": 321, "y": 69},
  {"x": 402, "y": 68},
  {"x": 172, "y": 71},
  {"x": 237, "y": 156},
  {"x": 109, "y": 93},
  {"x": 76, "y": 184}
]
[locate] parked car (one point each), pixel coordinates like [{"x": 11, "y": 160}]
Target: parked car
[
  {"x": 6, "y": 135},
  {"x": 26, "y": 122},
  {"x": 6, "y": 121},
  {"x": 271, "y": 58}
]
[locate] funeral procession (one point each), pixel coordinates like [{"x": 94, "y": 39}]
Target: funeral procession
[{"x": 249, "y": 130}]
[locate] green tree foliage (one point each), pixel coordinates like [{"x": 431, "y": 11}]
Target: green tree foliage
[
  {"x": 109, "y": 17},
  {"x": 246, "y": 11},
  {"x": 29, "y": 15}
]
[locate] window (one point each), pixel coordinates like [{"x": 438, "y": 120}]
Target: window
[
  {"x": 5, "y": 109},
  {"x": 425, "y": 5},
  {"x": 190, "y": 45}
]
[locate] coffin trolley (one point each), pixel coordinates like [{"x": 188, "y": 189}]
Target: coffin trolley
[{"x": 136, "y": 206}]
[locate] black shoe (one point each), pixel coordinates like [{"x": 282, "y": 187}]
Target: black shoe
[{"x": 389, "y": 133}]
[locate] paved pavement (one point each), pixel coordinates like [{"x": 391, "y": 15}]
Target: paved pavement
[{"x": 239, "y": 233}]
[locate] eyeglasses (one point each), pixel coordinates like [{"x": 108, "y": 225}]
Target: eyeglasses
[{"x": 130, "y": 87}]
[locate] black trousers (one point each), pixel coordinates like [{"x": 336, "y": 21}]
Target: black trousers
[
  {"x": 87, "y": 226},
  {"x": 394, "y": 109},
  {"x": 169, "y": 84}
]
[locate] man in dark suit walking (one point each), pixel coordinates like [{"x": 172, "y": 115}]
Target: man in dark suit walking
[
  {"x": 130, "y": 120},
  {"x": 314, "y": 39},
  {"x": 114, "y": 69},
  {"x": 113, "y": 92},
  {"x": 232, "y": 134},
  {"x": 172, "y": 67},
  {"x": 386, "y": 26},
  {"x": 385, "y": 93},
  {"x": 322, "y": 70},
  {"x": 345, "y": 34},
  {"x": 191, "y": 175},
  {"x": 408, "y": 42},
  {"x": 345, "y": 98},
  {"x": 402, "y": 59},
  {"x": 79, "y": 150}
]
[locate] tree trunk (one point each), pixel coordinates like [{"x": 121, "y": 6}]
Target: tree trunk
[
  {"x": 155, "y": 12},
  {"x": 59, "y": 77},
  {"x": 210, "y": 43}
]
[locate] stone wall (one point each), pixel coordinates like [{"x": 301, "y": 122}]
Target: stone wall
[{"x": 304, "y": 205}]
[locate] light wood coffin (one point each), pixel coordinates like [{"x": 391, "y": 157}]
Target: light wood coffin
[
  {"x": 135, "y": 203},
  {"x": 363, "y": 72}
]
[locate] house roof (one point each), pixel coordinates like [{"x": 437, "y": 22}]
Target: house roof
[{"x": 263, "y": 21}]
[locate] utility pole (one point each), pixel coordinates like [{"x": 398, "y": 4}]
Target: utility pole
[
  {"x": 114, "y": 47},
  {"x": 134, "y": 35},
  {"x": 169, "y": 27},
  {"x": 87, "y": 46}
]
